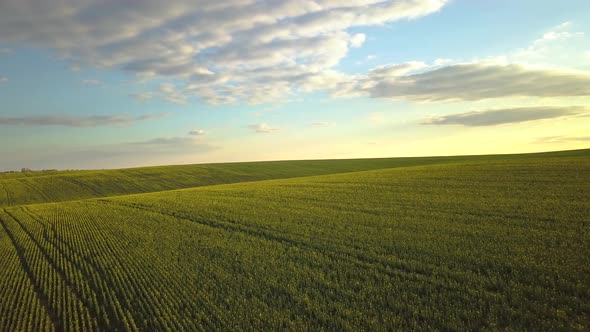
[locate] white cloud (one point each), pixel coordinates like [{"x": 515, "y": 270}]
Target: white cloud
[
  {"x": 262, "y": 128},
  {"x": 322, "y": 124},
  {"x": 477, "y": 81},
  {"x": 561, "y": 139},
  {"x": 77, "y": 121},
  {"x": 197, "y": 132},
  {"x": 376, "y": 118},
  {"x": 507, "y": 115},
  {"x": 142, "y": 96},
  {"x": 169, "y": 93},
  {"x": 357, "y": 40},
  {"x": 176, "y": 142},
  {"x": 396, "y": 69},
  {"x": 219, "y": 51},
  {"x": 91, "y": 82},
  {"x": 167, "y": 88},
  {"x": 540, "y": 70},
  {"x": 173, "y": 150},
  {"x": 559, "y": 46},
  {"x": 3, "y": 79},
  {"x": 442, "y": 62},
  {"x": 260, "y": 51}
]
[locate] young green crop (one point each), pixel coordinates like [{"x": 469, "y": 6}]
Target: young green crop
[
  {"x": 501, "y": 243},
  {"x": 59, "y": 186}
]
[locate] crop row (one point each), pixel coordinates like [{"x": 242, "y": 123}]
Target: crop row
[
  {"x": 481, "y": 246},
  {"x": 58, "y": 186}
]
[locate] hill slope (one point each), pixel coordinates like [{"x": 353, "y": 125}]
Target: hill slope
[
  {"x": 496, "y": 244},
  {"x": 43, "y": 187}
]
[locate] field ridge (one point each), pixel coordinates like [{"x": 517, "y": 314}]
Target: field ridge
[{"x": 70, "y": 186}]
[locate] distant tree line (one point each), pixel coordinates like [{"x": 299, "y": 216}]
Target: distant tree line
[{"x": 26, "y": 170}]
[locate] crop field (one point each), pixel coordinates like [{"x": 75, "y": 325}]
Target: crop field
[
  {"x": 463, "y": 243},
  {"x": 42, "y": 187},
  {"x": 56, "y": 186}
]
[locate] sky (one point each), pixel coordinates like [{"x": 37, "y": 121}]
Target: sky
[{"x": 92, "y": 84}]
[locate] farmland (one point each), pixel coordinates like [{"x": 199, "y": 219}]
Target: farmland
[
  {"x": 59, "y": 186},
  {"x": 457, "y": 243},
  {"x": 42, "y": 187}
]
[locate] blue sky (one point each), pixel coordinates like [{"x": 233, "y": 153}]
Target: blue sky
[{"x": 99, "y": 84}]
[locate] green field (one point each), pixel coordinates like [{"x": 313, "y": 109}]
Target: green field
[
  {"x": 43, "y": 187},
  {"x": 450, "y": 243}
]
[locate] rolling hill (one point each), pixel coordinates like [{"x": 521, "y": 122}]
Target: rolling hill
[
  {"x": 489, "y": 242},
  {"x": 59, "y": 186}
]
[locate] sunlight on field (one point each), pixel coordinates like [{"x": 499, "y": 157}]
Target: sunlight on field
[{"x": 475, "y": 244}]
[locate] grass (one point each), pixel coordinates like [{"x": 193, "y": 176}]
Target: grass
[
  {"x": 55, "y": 186},
  {"x": 498, "y": 242}
]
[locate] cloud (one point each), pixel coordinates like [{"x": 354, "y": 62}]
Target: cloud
[
  {"x": 262, "y": 128},
  {"x": 76, "y": 121},
  {"x": 527, "y": 72},
  {"x": 244, "y": 51},
  {"x": 6, "y": 51},
  {"x": 168, "y": 141},
  {"x": 322, "y": 124},
  {"x": 560, "y": 44},
  {"x": 357, "y": 40},
  {"x": 173, "y": 150},
  {"x": 376, "y": 118},
  {"x": 142, "y": 96},
  {"x": 3, "y": 79},
  {"x": 508, "y": 115},
  {"x": 169, "y": 93},
  {"x": 166, "y": 92},
  {"x": 218, "y": 51},
  {"x": 395, "y": 70},
  {"x": 478, "y": 81},
  {"x": 561, "y": 139},
  {"x": 197, "y": 132},
  {"x": 91, "y": 82},
  {"x": 144, "y": 152}
]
